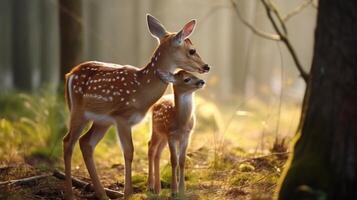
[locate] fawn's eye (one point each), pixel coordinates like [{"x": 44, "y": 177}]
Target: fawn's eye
[
  {"x": 186, "y": 80},
  {"x": 192, "y": 51}
]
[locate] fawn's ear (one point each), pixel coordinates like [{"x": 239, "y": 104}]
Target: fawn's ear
[
  {"x": 155, "y": 27},
  {"x": 186, "y": 31},
  {"x": 166, "y": 77}
]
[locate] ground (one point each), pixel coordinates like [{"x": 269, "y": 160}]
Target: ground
[
  {"x": 230, "y": 177},
  {"x": 229, "y": 157}
]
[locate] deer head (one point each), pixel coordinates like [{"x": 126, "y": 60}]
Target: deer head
[
  {"x": 183, "y": 81},
  {"x": 177, "y": 46}
]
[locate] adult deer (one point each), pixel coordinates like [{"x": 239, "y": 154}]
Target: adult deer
[
  {"x": 109, "y": 94},
  {"x": 172, "y": 123}
]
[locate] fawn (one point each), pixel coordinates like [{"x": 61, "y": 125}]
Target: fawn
[
  {"x": 108, "y": 94},
  {"x": 172, "y": 123}
]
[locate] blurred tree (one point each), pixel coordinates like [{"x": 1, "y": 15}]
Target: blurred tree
[
  {"x": 25, "y": 42},
  {"x": 71, "y": 38},
  {"x": 49, "y": 42},
  {"x": 5, "y": 44},
  {"x": 93, "y": 16},
  {"x": 324, "y": 163},
  {"x": 243, "y": 40}
]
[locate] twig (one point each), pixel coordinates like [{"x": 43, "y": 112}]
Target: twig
[
  {"x": 261, "y": 33},
  {"x": 24, "y": 181},
  {"x": 4, "y": 168},
  {"x": 264, "y": 156},
  {"x": 274, "y": 9},
  {"x": 297, "y": 10},
  {"x": 82, "y": 184},
  {"x": 280, "y": 36},
  {"x": 284, "y": 39}
]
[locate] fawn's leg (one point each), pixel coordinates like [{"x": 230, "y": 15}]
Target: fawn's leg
[
  {"x": 182, "y": 159},
  {"x": 173, "y": 158},
  {"x": 76, "y": 126},
  {"x": 126, "y": 141},
  {"x": 152, "y": 149},
  {"x": 157, "y": 157},
  {"x": 88, "y": 142}
]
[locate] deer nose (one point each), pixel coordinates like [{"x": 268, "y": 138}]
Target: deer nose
[
  {"x": 206, "y": 68},
  {"x": 200, "y": 83}
]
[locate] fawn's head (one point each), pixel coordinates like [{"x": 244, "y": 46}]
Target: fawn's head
[
  {"x": 184, "y": 81},
  {"x": 177, "y": 47}
]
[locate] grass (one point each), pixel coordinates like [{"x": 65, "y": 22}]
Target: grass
[{"x": 221, "y": 159}]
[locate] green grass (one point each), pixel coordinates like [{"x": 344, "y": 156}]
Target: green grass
[{"x": 31, "y": 124}]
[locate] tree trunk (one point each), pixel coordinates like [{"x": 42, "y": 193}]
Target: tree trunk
[
  {"x": 49, "y": 43},
  {"x": 71, "y": 39},
  {"x": 25, "y": 38},
  {"x": 324, "y": 163},
  {"x": 5, "y": 45}
]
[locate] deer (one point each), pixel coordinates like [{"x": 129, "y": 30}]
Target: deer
[
  {"x": 109, "y": 94},
  {"x": 172, "y": 123}
]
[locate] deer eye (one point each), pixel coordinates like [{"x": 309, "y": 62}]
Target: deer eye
[
  {"x": 186, "y": 80},
  {"x": 192, "y": 51}
]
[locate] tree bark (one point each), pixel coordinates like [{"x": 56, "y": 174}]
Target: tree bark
[
  {"x": 71, "y": 38},
  {"x": 324, "y": 162}
]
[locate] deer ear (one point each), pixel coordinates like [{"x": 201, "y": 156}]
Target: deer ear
[
  {"x": 166, "y": 77},
  {"x": 186, "y": 31},
  {"x": 155, "y": 27}
]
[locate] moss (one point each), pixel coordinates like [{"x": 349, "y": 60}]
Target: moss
[
  {"x": 139, "y": 181},
  {"x": 240, "y": 179},
  {"x": 246, "y": 167},
  {"x": 309, "y": 170}
]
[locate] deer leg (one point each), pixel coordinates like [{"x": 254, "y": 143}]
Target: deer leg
[
  {"x": 88, "y": 142},
  {"x": 173, "y": 158},
  {"x": 160, "y": 147},
  {"x": 75, "y": 128},
  {"x": 126, "y": 142},
  {"x": 182, "y": 159},
  {"x": 152, "y": 149}
]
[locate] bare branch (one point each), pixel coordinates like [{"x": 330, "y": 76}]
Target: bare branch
[
  {"x": 297, "y": 10},
  {"x": 285, "y": 40},
  {"x": 275, "y": 10},
  {"x": 82, "y": 184},
  {"x": 25, "y": 181},
  {"x": 256, "y": 31},
  {"x": 281, "y": 35}
]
